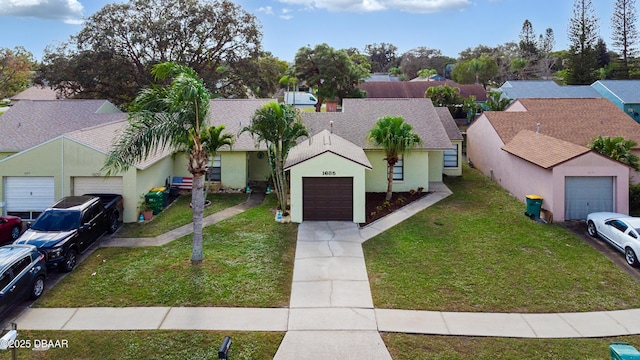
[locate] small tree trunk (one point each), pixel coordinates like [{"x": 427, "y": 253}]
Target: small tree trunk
[
  {"x": 390, "y": 181},
  {"x": 197, "y": 203}
]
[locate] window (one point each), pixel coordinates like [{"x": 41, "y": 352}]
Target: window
[
  {"x": 398, "y": 169},
  {"x": 215, "y": 172},
  {"x": 619, "y": 225},
  {"x": 20, "y": 265},
  {"x": 5, "y": 279},
  {"x": 451, "y": 157}
]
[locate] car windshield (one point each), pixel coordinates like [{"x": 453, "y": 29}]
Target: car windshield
[{"x": 56, "y": 220}]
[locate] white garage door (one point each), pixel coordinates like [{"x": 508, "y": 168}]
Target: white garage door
[
  {"x": 584, "y": 195},
  {"x": 97, "y": 184},
  {"x": 27, "y": 197}
]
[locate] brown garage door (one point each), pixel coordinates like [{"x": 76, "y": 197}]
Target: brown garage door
[{"x": 326, "y": 199}]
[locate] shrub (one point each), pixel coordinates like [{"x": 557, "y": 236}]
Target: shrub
[{"x": 634, "y": 199}]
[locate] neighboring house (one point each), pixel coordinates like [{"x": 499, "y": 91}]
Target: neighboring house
[
  {"x": 539, "y": 146},
  {"x": 69, "y": 160},
  {"x": 625, "y": 94},
  {"x": 30, "y": 123},
  {"x": 37, "y": 93},
  {"x": 418, "y": 89},
  {"x": 381, "y": 77},
  {"x": 545, "y": 89}
]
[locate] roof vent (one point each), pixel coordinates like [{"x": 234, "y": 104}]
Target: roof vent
[
  {"x": 331, "y": 126},
  {"x": 538, "y": 128}
]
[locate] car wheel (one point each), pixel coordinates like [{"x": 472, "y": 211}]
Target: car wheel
[
  {"x": 15, "y": 233},
  {"x": 38, "y": 288},
  {"x": 113, "y": 223},
  {"x": 69, "y": 261},
  {"x": 630, "y": 256},
  {"x": 591, "y": 229}
]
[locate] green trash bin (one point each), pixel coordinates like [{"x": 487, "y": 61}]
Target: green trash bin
[
  {"x": 157, "y": 200},
  {"x": 534, "y": 205},
  {"x": 623, "y": 351}
]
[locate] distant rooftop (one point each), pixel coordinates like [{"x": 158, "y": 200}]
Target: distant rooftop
[{"x": 545, "y": 89}]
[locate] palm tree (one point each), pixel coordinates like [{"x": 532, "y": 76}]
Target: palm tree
[
  {"x": 396, "y": 138},
  {"x": 279, "y": 126},
  {"x": 169, "y": 117},
  {"x": 426, "y": 73},
  {"x": 616, "y": 148},
  {"x": 495, "y": 101},
  {"x": 213, "y": 140}
]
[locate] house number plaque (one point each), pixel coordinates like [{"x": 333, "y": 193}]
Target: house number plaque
[{"x": 328, "y": 173}]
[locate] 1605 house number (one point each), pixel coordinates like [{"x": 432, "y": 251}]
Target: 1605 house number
[{"x": 328, "y": 173}]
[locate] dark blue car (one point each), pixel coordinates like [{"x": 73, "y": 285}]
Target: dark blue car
[{"x": 22, "y": 274}]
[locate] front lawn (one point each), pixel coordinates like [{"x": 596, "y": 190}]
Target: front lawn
[
  {"x": 157, "y": 344},
  {"x": 178, "y": 214},
  {"x": 248, "y": 263},
  {"x": 476, "y": 251},
  {"x": 410, "y": 347}
]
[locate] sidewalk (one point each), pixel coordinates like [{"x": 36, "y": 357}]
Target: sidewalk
[{"x": 331, "y": 313}]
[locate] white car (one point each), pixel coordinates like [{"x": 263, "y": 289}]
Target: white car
[{"x": 619, "y": 230}]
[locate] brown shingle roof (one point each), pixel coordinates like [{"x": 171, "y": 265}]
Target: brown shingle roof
[
  {"x": 417, "y": 89},
  {"x": 544, "y": 151},
  {"x": 29, "y": 123},
  {"x": 358, "y": 116},
  {"x": 101, "y": 139},
  {"x": 324, "y": 142},
  {"x": 578, "y": 121},
  {"x": 449, "y": 124}
]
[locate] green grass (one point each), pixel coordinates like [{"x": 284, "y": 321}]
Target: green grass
[
  {"x": 248, "y": 263},
  {"x": 158, "y": 344},
  {"x": 476, "y": 251},
  {"x": 178, "y": 214},
  {"x": 410, "y": 347}
]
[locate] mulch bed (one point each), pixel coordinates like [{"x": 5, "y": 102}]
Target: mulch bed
[{"x": 376, "y": 207}]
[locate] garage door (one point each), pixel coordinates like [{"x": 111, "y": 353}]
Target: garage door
[
  {"x": 326, "y": 199},
  {"x": 97, "y": 184},
  {"x": 584, "y": 195},
  {"x": 27, "y": 197}
]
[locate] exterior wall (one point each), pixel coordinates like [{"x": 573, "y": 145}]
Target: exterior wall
[
  {"x": 259, "y": 169},
  {"x": 5, "y": 154},
  {"x": 64, "y": 159},
  {"x": 516, "y": 106},
  {"x": 134, "y": 189},
  {"x": 592, "y": 165},
  {"x": 330, "y": 163},
  {"x": 418, "y": 171},
  {"x": 484, "y": 148},
  {"x": 454, "y": 171},
  {"x": 234, "y": 168}
]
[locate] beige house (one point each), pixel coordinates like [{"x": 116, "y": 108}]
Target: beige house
[{"x": 62, "y": 159}]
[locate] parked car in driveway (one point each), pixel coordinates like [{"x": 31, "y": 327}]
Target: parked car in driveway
[
  {"x": 10, "y": 228},
  {"x": 619, "y": 230},
  {"x": 22, "y": 275}
]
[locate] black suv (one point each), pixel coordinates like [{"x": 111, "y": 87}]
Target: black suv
[{"x": 22, "y": 274}]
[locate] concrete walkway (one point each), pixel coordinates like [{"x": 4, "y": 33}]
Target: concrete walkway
[{"x": 331, "y": 313}]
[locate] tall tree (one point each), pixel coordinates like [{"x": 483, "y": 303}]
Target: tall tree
[
  {"x": 331, "y": 72},
  {"x": 120, "y": 43},
  {"x": 382, "y": 56},
  {"x": 478, "y": 70},
  {"x": 624, "y": 34},
  {"x": 422, "y": 57},
  {"x": 396, "y": 137},
  {"x": 445, "y": 96},
  {"x": 545, "y": 48},
  {"x": 527, "y": 45},
  {"x": 495, "y": 101},
  {"x": 169, "y": 117},
  {"x": 278, "y": 126},
  {"x": 583, "y": 37},
  {"x": 15, "y": 70},
  {"x": 213, "y": 140}
]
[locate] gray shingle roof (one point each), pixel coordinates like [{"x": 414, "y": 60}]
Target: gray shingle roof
[
  {"x": 358, "y": 116},
  {"x": 626, "y": 90},
  {"x": 449, "y": 124},
  {"x": 236, "y": 114},
  {"x": 29, "y": 123},
  {"x": 36, "y": 93},
  {"x": 324, "y": 142},
  {"x": 547, "y": 89}
]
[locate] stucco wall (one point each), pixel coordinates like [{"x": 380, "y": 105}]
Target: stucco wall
[
  {"x": 333, "y": 164},
  {"x": 234, "y": 168},
  {"x": 483, "y": 148},
  {"x": 419, "y": 169},
  {"x": 259, "y": 169},
  {"x": 5, "y": 154}
]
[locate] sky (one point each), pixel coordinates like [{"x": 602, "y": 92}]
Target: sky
[{"x": 450, "y": 26}]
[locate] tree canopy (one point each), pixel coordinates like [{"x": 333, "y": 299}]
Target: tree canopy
[
  {"x": 112, "y": 55},
  {"x": 15, "y": 70}
]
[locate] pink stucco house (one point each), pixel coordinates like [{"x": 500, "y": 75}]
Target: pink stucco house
[{"x": 539, "y": 146}]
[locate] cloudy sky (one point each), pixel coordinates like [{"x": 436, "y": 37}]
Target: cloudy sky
[{"x": 448, "y": 25}]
